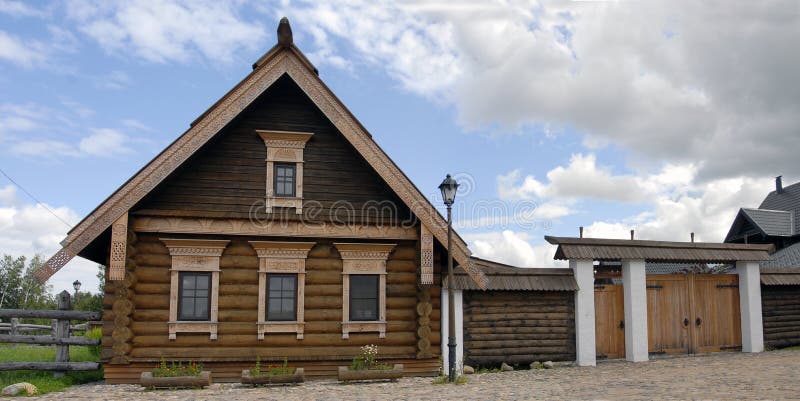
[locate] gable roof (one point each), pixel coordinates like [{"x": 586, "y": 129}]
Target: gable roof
[
  {"x": 770, "y": 223},
  {"x": 787, "y": 200},
  {"x": 785, "y": 258},
  {"x": 283, "y": 58}
]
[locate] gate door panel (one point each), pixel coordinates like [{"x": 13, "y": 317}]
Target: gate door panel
[
  {"x": 609, "y": 321},
  {"x": 668, "y": 325},
  {"x": 716, "y": 320}
]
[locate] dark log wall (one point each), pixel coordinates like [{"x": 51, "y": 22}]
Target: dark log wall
[
  {"x": 237, "y": 344},
  {"x": 518, "y": 327},
  {"x": 780, "y": 306},
  {"x": 228, "y": 176}
]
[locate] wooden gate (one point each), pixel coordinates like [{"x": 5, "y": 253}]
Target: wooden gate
[
  {"x": 609, "y": 321},
  {"x": 693, "y": 313}
]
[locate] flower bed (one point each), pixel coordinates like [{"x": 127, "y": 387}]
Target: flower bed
[
  {"x": 176, "y": 375},
  {"x": 365, "y": 366},
  {"x": 287, "y": 378},
  {"x": 346, "y": 374},
  {"x": 273, "y": 374},
  {"x": 203, "y": 379}
]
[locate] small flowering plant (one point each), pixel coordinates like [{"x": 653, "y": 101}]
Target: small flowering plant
[
  {"x": 368, "y": 359},
  {"x": 175, "y": 369},
  {"x": 272, "y": 369}
]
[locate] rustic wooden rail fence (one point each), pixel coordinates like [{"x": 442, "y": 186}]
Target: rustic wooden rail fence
[{"x": 60, "y": 336}]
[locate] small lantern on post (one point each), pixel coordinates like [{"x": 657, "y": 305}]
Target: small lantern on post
[
  {"x": 449, "y": 187},
  {"x": 77, "y": 286}
]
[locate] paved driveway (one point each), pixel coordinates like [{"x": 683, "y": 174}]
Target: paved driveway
[{"x": 770, "y": 375}]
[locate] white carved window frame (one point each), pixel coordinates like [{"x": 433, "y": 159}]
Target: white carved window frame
[
  {"x": 284, "y": 147},
  {"x": 194, "y": 255},
  {"x": 276, "y": 257},
  {"x": 363, "y": 258}
]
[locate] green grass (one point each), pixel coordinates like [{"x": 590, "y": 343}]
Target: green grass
[
  {"x": 795, "y": 348},
  {"x": 43, "y": 380}
]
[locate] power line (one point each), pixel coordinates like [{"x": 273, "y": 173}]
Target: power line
[{"x": 34, "y": 198}]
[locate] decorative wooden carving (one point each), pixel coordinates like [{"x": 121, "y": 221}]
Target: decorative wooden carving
[
  {"x": 423, "y": 310},
  {"x": 119, "y": 243},
  {"x": 197, "y": 256},
  {"x": 362, "y": 258},
  {"x": 123, "y": 305},
  {"x": 426, "y": 255},
  {"x": 269, "y": 69},
  {"x": 183, "y": 225},
  {"x": 286, "y": 147},
  {"x": 281, "y": 257}
]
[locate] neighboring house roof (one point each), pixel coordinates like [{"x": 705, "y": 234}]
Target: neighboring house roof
[
  {"x": 502, "y": 277},
  {"x": 788, "y": 257},
  {"x": 780, "y": 276},
  {"x": 788, "y": 200},
  {"x": 767, "y": 222},
  {"x": 283, "y": 59},
  {"x": 657, "y": 251}
]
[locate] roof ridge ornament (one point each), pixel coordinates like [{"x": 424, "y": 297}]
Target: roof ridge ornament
[{"x": 285, "y": 38}]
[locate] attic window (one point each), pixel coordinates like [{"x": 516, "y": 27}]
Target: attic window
[{"x": 284, "y": 168}]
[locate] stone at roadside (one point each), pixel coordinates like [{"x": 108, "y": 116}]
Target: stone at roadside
[
  {"x": 535, "y": 365},
  {"x": 505, "y": 367},
  {"x": 468, "y": 370},
  {"x": 20, "y": 389},
  {"x": 548, "y": 365}
]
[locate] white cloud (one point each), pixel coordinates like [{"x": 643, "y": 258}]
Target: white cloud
[
  {"x": 513, "y": 248},
  {"x": 27, "y": 229},
  {"x": 677, "y": 82},
  {"x": 102, "y": 142},
  {"x": 20, "y": 9},
  {"x": 584, "y": 178},
  {"x": 677, "y": 202},
  {"x": 114, "y": 80},
  {"x": 26, "y": 53},
  {"x": 15, "y": 117},
  {"x": 168, "y": 31}
]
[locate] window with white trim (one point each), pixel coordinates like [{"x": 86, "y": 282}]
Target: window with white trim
[
  {"x": 364, "y": 287},
  {"x": 284, "y": 168},
  {"x": 281, "y": 286},
  {"x": 194, "y": 285}
]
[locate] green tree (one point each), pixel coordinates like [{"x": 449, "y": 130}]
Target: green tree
[{"x": 19, "y": 289}]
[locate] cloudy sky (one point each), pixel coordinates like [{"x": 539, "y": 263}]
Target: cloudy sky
[{"x": 659, "y": 117}]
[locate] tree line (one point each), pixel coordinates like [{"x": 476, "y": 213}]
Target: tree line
[{"x": 19, "y": 289}]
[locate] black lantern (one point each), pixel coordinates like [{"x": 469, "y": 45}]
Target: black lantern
[
  {"x": 77, "y": 286},
  {"x": 449, "y": 187}
]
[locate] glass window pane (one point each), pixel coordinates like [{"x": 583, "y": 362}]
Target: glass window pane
[
  {"x": 281, "y": 297},
  {"x": 364, "y": 286}
]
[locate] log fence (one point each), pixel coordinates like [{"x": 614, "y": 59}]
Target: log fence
[{"x": 60, "y": 335}]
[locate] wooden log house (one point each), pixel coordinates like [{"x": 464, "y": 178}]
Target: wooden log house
[{"x": 274, "y": 227}]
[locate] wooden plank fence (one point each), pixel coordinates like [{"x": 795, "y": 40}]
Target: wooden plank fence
[{"x": 60, "y": 336}]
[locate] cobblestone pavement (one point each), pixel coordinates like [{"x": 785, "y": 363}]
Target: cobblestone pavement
[{"x": 770, "y": 375}]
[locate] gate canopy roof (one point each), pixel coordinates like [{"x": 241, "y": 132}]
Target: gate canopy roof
[{"x": 661, "y": 251}]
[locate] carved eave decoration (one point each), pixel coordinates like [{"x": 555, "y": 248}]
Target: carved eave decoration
[{"x": 280, "y": 60}]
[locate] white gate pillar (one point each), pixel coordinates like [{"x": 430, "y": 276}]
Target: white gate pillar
[
  {"x": 458, "y": 302},
  {"x": 750, "y": 305},
  {"x": 583, "y": 269},
  {"x": 635, "y": 290}
]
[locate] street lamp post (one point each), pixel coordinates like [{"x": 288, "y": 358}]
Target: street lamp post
[
  {"x": 449, "y": 187},
  {"x": 77, "y": 286}
]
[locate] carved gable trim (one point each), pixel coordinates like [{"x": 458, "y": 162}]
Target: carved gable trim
[
  {"x": 284, "y": 61},
  {"x": 119, "y": 248},
  {"x": 426, "y": 255}
]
